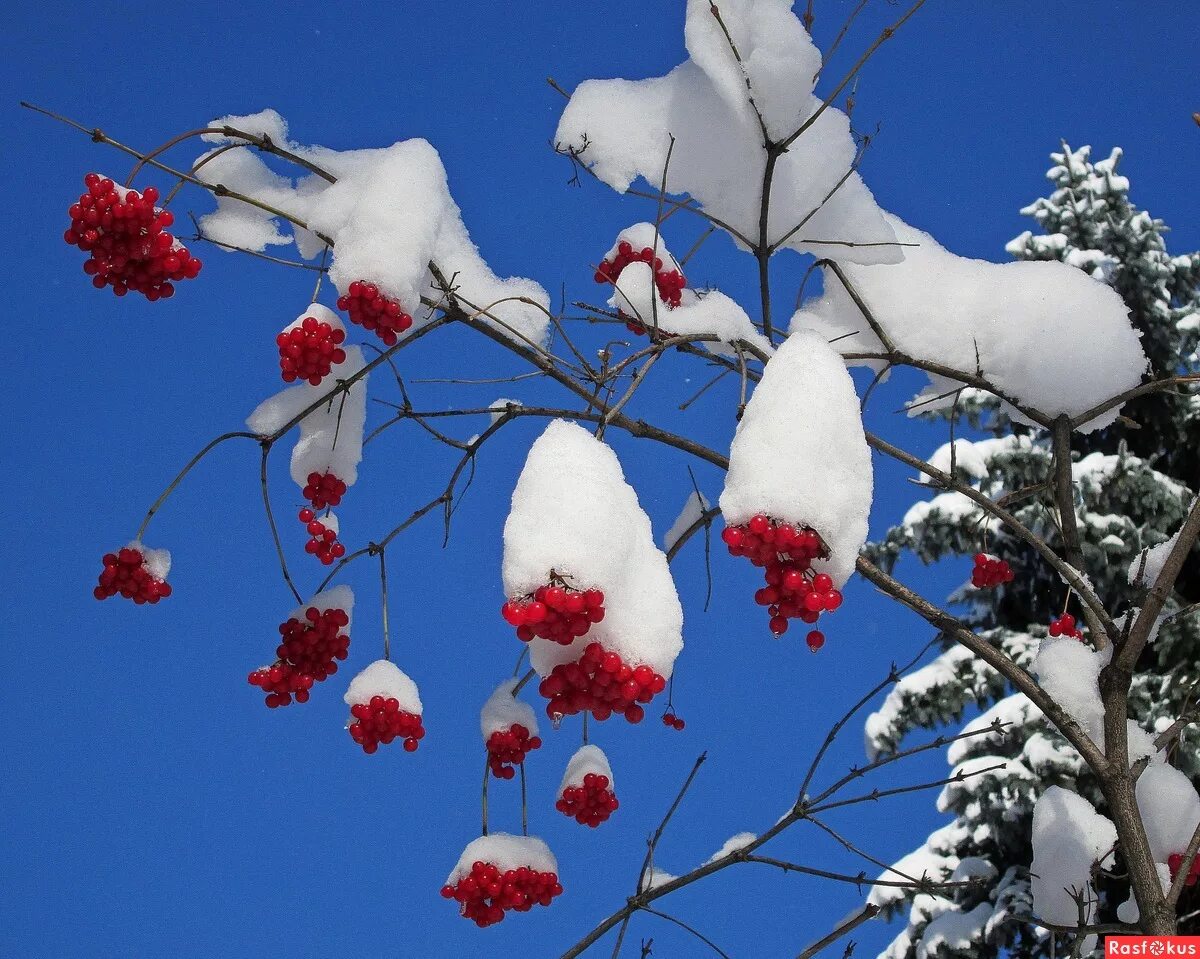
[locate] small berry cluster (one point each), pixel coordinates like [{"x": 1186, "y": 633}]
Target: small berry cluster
[
  {"x": 382, "y": 721},
  {"x": 590, "y": 803},
  {"x": 323, "y": 542},
  {"x": 509, "y": 747},
  {"x": 555, "y": 612},
  {"x": 127, "y": 239},
  {"x": 1065, "y": 626},
  {"x": 1175, "y": 862},
  {"x": 309, "y": 350},
  {"x": 600, "y": 683},
  {"x": 786, "y": 553},
  {"x": 486, "y": 893},
  {"x": 307, "y": 653},
  {"x": 671, "y": 721},
  {"x": 990, "y": 571},
  {"x": 125, "y": 572},
  {"x": 324, "y": 489},
  {"x": 371, "y": 310},
  {"x": 670, "y": 283}
]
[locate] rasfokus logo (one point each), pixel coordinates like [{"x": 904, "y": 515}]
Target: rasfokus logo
[{"x": 1153, "y": 947}]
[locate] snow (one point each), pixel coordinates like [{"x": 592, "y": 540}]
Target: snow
[
  {"x": 1170, "y": 809},
  {"x": 266, "y": 123},
  {"x": 339, "y": 597},
  {"x": 735, "y": 842},
  {"x": 800, "y": 455},
  {"x": 1069, "y": 671},
  {"x": 157, "y": 562},
  {"x": 920, "y": 863},
  {"x": 499, "y": 407},
  {"x": 696, "y": 506},
  {"x": 973, "y": 867},
  {"x": 1155, "y": 559},
  {"x": 1043, "y": 332},
  {"x": 503, "y": 710},
  {"x": 574, "y": 513},
  {"x": 656, "y": 877},
  {"x": 955, "y": 931},
  {"x": 587, "y": 759},
  {"x": 643, "y": 236},
  {"x": 622, "y": 129},
  {"x": 384, "y": 678},
  {"x": 322, "y": 314},
  {"x": 505, "y": 852},
  {"x": 966, "y": 459},
  {"x": 1069, "y": 837}
]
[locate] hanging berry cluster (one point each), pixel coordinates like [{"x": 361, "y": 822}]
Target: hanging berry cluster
[
  {"x": 1175, "y": 863},
  {"x": 323, "y": 490},
  {"x": 486, "y": 894},
  {"x": 382, "y": 720},
  {"x": 371, "y": 310},
  {"x": 555, "y": 611},
  {"x": 786, "y": 553},
  {"x": 309, "y": 350},
  {"x": 125, "y": 572},
  {"x": 127, "y": 239},
  {"x": 323, "y": 542},
  {"x": 600, "y": 683},
  {"x": 307, "y": 653},
  {"x": 507, "y": 748},
  {"x": 669, "y": 283},
  {"x": 590, "y": 802},
  {"x": 990, "y": 571},
  {"x": 672, "y": 721},
  {"x": 1065, "y": 626}
]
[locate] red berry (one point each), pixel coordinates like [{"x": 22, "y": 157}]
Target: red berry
[
  {"x": 372, "y": 310},
  {"x": 555, "y": 612},
  {"x": 308, "y": 651},
  {"x": 135, "y": 573}
]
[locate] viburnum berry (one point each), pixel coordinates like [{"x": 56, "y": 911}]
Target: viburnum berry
[
  {"x": 384, "y": 706},
  {"x": 487, "y": 891},
  {"x": 370, "y": 309},
  {"x": 670, "y": 283},
  {"x": 590, "y": 803},
  {"x": 507, "y": 748},
  {"x": 671, "y": 721},
  {"x": 323, "y": 490},
  {"x": 1065, "y": 626},
  {"x": 786, "y": 553},
  {"x": 601, "y": 683},
  {"x": 990, "y": 571},
  {"x": 555, "y": 611},
  {"x": 323, "y": 542},
  {"x": 136, "y": 573},
  {"x": 815, "y": 640},
  {"x": 308, "y": 651},
  {"x": 1175, "y": 862},
  {"x": 126, "y": 238},
  {"x": 311, "y": 346}
]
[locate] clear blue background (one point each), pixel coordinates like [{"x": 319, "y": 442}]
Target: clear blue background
[{"x": 151, "y": 805}]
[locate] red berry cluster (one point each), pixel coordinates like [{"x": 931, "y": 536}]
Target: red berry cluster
[
  {"x": 128, "y": 240},
  {"x": 324, "y": 489},
  {"x": 381, "y": 721},
  {"x": 590, "y": 803},
  {"x": 1065, "y": 626},
  {"x": 555, "y": 612},
  {"x": 670, "y": 283},
  {"x": 486, "y": 893},
  {"x": 323, "y": 542},
  {"x": 309, "y": 350},
  {"x": 786, "y": 552},
  {"x": 671, "y": 721},
  {"x": 509, "y": 747},
  {"x": 1175, "y": 861},
  {"x": 990, "y": 571},
  {"x": 307, "y": 653},
  {"x": 125, "y": 573},
  {"x": 371, "y": 310},
  {"x": 601, "y": 683}
]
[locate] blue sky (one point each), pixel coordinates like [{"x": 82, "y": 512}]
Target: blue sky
[{"x": 152, "y": 805}]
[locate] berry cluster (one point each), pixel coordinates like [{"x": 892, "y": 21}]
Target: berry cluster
[
  {"x": 509, "y": 747},
  {"x": 1175, "y": 861},
  {"x": 309, "y": 350},
  {"x": 600, "y": 683},
  {"x": 670, "y": 283},
  {"x": 371, "y": 310},
  {"x": 307, "y": 653},
  {"x": 381, "y": 721},
  {"x": 990, "y": 571},
  {"x": 590, "y": 803},
  {"x": 555, "y": 612},
  {"x": 125, "y": 572},
  {"x": 1065, "y": 626},
  {"x": 127, "y": 239},
  {"x": 486, "y": 893},
  {"x": 786, "y": 553},
  {"x": 671, "y": 721},
  {"x": 324, "y": 489},
  {"x": 323, "y": 542}
]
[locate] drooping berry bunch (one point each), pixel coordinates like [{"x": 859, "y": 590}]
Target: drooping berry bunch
[
  {"x": 323, "y": 542},
  {"x": 127, "y": 573},
  {"x": 371, "y": 310},
  {"x": 127, "y": 239},
  {"x": 990, "y": 571},
  {"x": 1065, "y": 626},
  {"x": 1175, "y": 862},
  {"x": 671, "y": 721},
  {"x": 589, "y": 803},
  {"x": 309, "y": 350},
  {"x": 600, "y": 683},
  {"x": 308, "y": 652},
  {"x": 486, "y": 893},
  {"x": 323, "y": 490},
  {"x": 786, "y": 553},
  {"x": 669, "y": 283},
  {"x": 382, "y": 721},
  {"x": 555, "y": 611},
  {"x": 509, "y": 747}
]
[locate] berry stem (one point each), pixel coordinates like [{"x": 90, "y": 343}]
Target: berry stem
[
  {"x": 383, "y": 601},
  {"x": 524, "y": 804},
  {"x": 266, "y": 496},
  {"x": 487, "y": 771},
  {"x": 585, "y": 728},
  {"x": 522, "y": 681},
  {"x": 520, "y": 660}
]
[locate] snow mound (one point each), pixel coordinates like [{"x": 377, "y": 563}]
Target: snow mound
[
  {"x": 735, "y": 842},
  {"x": 696, "y": 506},
  {"x": 503, "y": 710},
  {"x": 1069, "y": 671},
  {"x": 505, "y": 852},
  {"x": 386, "y": 679},
  {"x": 1170, "y": 809},
  {"x": 1069, "y": 837},
  {"x": 587, "y": 759},
  {"x": 339, "y": 597}
]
